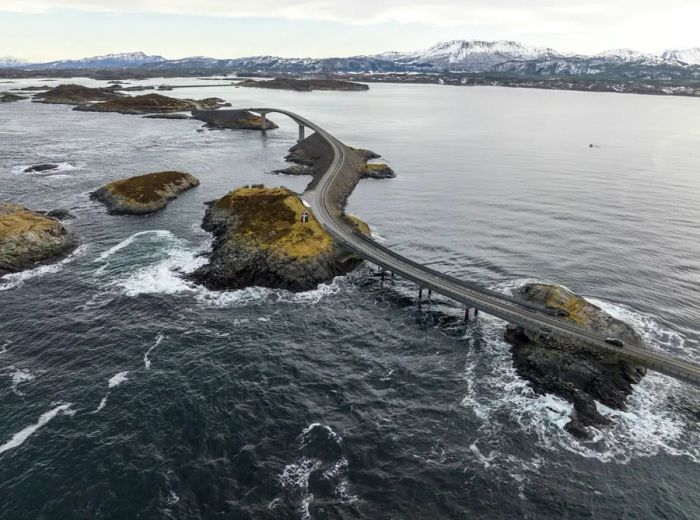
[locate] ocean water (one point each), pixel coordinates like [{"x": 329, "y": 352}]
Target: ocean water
[{"x": 127, "y": 392}]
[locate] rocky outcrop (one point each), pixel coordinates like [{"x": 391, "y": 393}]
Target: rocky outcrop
[
  {"x": 28, "y": 238},
  {"x": 232, "y": 120},
  {"x": 144, "y": 193},
  {"x": 376, "y": 171},
  {"x": 304, "y": 85},
  {"x": 151, "y": 104},
  {"x": 313, "y": 156},
  {"x": 167, "y": 116},
  {"x": 41, "y": 168},
  {"x": 7, "y": 97},
  {"x": 567, "y": 369},
  {"x": 76, "y": 95},
  {"x": 260, "y": 240}
]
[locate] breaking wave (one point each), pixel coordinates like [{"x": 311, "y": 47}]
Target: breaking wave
[{"x": 21, "y": 436}]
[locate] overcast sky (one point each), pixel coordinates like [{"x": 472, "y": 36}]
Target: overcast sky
[{"x": 53, "y": 29}]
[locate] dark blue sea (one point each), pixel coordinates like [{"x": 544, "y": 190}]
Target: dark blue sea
[{"x": 127, "y": 392}]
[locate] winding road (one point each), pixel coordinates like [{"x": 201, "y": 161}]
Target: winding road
[{"x": 529, "y": 316}]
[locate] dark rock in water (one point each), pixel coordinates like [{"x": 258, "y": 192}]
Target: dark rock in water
[
  {"x": 41, "y": 168},
  {"x": 294, "y": 169},
  {"x": 260, "y": 240},
  {"x": 569, "y": 370},
  {"x": 76, "y": 95},
  {"x": 304, "y": 85},
  {"x": 150, "y": 104},
  {"x": 167, "y": 116},
  {"x": 60, "y": 214},
  {"x": 232, "y": 119},
  {"x": 139, "y": 88},
  {"x": 144, "y": 193},
  {"x": 7, "y": 97},
  {"x": 28, "y": 238},
  {"x": 376, "y": 171}
]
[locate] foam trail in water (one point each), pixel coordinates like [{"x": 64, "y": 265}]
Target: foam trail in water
[
  {"x": 21, "y": 436},
  {"x": 14, "y": 280},
  {"x": 20, "y": 376},
  {"x": 128, "y": 241},
  {"x": 146, "y": 361},
  {"x": 102, "y": 404},
  {"x": 117, "y": 379}
]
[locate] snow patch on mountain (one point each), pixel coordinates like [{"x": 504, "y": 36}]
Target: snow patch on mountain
[{"x": 690, "y": 56}]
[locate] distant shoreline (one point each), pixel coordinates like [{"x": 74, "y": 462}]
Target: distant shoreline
[{"x": 580, "y": 84}]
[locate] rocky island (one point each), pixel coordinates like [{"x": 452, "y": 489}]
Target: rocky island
[
  {"x": 144, "y": 193},
  {"x": 76, "y": 95},
  {"x": 28, "y": 238},
  {"x": 8, "y": 97},
  {"x": 561, "y": 367},
  {"x": 305, "y": 85},
  {"x": 151, "y": 104},
  {"x": 312, "y": 156},
  {"x": 232, "y": 120},
  {"x": 262, "y": 239}
]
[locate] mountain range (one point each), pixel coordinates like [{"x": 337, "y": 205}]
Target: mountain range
[{"x": 458, "y": 56}]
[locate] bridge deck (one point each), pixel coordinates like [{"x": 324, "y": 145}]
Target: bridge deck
[{"x": 325, "y": 191}]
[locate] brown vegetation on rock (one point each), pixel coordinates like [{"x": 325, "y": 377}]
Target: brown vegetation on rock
[
  {"x": 260, "y": 239},
  {"x": 27, "y": 238},
  {"x": 144, "y": 193}
]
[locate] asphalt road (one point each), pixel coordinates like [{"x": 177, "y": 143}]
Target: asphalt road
[{"x": 471, "y": 295}]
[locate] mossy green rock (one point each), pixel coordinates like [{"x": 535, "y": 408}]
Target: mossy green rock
[
  {"x": 144, "y": 193},
  {"x": 28, "y": 238},
  {"x": 260, "y": 240}
]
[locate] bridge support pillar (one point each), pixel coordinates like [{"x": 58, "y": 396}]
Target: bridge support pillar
[
  {"x": 263, "y": 122},
  {"x": 420, "y": 294},
  {"x": 471, "y": 313},
  {"x": 301, "y": 134}
]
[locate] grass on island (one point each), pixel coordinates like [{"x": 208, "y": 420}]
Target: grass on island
[
  {"x": 577, "y": 307},
  {"x": 16, "y": 223},
  {"x": 154, "y": 101},
  {"x": 270, "y": 218},
  {"x": 146, "y": 188}
]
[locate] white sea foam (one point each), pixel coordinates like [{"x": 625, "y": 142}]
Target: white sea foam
[
  {"x": 102, "y": 404},
  {"x": 14, "y": 280},
  {"x": 164, "y": 276},
  {"x": 146, "y": 361},
  {"x": 20, "y": 437},
  {"x": 307, "y": 431},
  {"x": 649, "y": 426},
  {"x": 130, "y": 240},
  {"x": 20, "y": 376},
  {"x": 117, "y": 379}
]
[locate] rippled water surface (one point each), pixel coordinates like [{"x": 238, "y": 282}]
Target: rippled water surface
[{"x": 126, "y": 392}]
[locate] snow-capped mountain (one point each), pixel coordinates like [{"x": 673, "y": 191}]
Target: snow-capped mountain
[
  {"x": 469, "y": 55},
  {"x": 458, "y": 56},
  {"x": 127, "y": 59},
  {"x": 10, "y": 61},
  {"x": 690, "y": 56}
]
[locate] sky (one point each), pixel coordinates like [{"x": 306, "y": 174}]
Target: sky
[{"x": 44, "y": 30}]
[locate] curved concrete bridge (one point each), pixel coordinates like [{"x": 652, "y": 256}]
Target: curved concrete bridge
[{"x": 327, "y": 199}]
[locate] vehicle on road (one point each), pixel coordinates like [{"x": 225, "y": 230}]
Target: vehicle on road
[
  {"x": 545, "y": 333},
  {"x": 615, "y": 341}
]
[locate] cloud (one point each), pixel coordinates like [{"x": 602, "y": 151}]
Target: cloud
[{"x": 567, "y": 25}]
